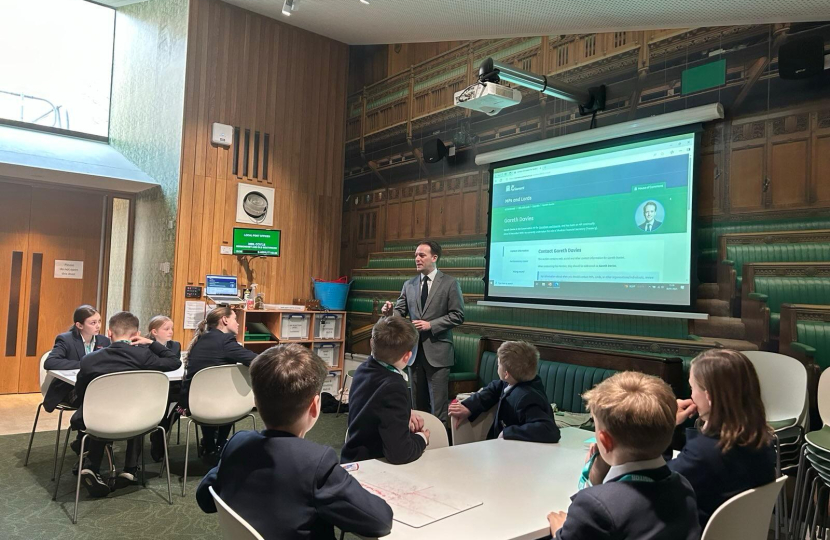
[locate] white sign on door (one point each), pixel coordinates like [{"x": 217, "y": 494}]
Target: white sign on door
[{"x": 69, "y": 269}]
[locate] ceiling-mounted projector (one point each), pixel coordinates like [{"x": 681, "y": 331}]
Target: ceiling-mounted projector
[{"x": 487, "y": 97}]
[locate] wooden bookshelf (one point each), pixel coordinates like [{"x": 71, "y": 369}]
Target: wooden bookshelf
[{"x": 287, "y": 327}]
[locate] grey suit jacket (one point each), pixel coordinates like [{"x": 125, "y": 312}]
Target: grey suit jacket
[{"x": 444, "y": 310}]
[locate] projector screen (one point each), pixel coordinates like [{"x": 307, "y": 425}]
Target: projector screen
[{"x": 596, "y": 226}]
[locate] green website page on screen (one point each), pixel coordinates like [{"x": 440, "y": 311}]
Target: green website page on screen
[{"x": 608, "y": 225}]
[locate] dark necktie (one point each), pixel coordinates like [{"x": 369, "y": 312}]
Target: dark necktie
[{"x": 424, "y": 292}]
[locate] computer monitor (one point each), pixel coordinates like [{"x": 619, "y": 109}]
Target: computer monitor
[
  {"x": 221, "y": 286},
  {"x": 256, "y": 242}
]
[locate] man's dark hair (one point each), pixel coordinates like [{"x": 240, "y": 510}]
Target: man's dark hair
[
  {"x": 123, "y": 323},
  {"x": 434, "y": 247},
  {"x": 285, "y": 380},
  {"x": 392, "y": 337}
]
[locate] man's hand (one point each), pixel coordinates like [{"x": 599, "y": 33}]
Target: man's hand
[
  {"x": 426, "y": 434},
  {"x": 459, "y": 412},
  {"x": 422, "y": 326},
  {"x": 140, "y": 340},
  {"x": 685, "y": 409},
  {"x": 386, "y": 310},
  {"x": 556, "y": 520},
  {"x": 416, "y": 422}
]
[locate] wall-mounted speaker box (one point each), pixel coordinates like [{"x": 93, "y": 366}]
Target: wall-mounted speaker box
[{"x": 801, "y": 58}]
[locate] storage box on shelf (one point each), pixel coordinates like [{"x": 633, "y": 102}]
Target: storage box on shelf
[{"x": 322, "y": 331}]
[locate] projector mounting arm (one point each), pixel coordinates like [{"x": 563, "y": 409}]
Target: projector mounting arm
[{"x": 589, "y": 101}]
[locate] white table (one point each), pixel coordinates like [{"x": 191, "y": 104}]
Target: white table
[
  {"x": 71, "y": 375},
  {"x": 518, "y": 482}
]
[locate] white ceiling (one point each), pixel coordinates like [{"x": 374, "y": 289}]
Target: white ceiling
[{"x": 406, "y": 21}]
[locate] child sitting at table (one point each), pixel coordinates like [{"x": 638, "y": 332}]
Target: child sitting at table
[
  {"x": 523, "y": 412},
  {"x": 640, "y": 497},
  {"x": 282, "y": 484},
  {"x": 382, "y": 423},
  {"x": 124, "y": 354}
]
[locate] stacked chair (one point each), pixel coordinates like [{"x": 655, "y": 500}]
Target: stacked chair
[{"x": 809, "y": 514}]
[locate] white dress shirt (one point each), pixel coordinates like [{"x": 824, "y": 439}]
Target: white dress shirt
[{"x": 633, "y": 466}]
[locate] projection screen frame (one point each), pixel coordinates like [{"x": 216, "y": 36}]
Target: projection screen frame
[{"x": 643, "y": 309}]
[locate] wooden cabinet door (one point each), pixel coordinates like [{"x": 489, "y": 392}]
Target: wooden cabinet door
[{"x": 15, "y": 202}]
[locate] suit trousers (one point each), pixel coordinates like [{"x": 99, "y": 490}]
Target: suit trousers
[{"x": 429, "y": 386}]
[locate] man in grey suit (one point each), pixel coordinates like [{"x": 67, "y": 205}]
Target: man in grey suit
[{"x": 433, "y": 301}]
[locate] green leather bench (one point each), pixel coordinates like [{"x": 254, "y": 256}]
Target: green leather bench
[
  {"x": 564, "y": 383},
  {"x": 579, "y": 322},
  {"x": 445, "y": 262},
  {"x": 739, "y": 255},
  {"x": 410, "y": 245},
  {"x": 362, "y": 305},
  {"x": 776, "y": 291},
  {"x": 813, "y": 341},
  {"x": 708, "y": 236},
  {"x": 466, "y": 354},
  {"x": 805, "y": 334},
  {"x": 469, "y": 285}
]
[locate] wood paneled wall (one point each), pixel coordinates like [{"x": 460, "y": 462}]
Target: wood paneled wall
[
  {"x": 403, "y": 55},
  {"x": 250, "y": 71},
  {"x": 760, "y": 167}
]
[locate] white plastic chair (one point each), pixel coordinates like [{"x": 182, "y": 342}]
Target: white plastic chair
[
  {"x": 476, "y": 431},
  {"x": 746, "y": 515},
  {"x": 119, "y": 407},
  {"x": 219, "y": 395},
  {"x": 437, "y": 431},
  {"x": 45, "y": 382},
  {"x": 823, "y": 397},
  {"x": 783, "y": 386},
  {"x": 232, "y": 525}
]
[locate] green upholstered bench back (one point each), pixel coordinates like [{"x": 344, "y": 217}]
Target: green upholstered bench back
[
  {"x": 363, "y": 305},
  {"x": 579, "y": 322},
  {"x": 816, "y": 334},
  {"x": 409, "y": 245},
  {"x": 469, "y": 284},
  {"x": 466, "y": 353},
  {"x": 461, "y": 261},
  {"x": 564, "y": 383},
  {"x": 743, "y": 254},
  {"x": 707, "y": 237},
  {"x": 791, "y": 290}
]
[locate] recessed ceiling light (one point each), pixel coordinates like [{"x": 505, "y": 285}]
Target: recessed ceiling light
[
  {"x": 288, "y": 7},
  {"x": 364, "y": 2}
]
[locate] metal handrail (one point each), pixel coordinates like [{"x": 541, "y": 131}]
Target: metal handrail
[{"x": 55, "y": 110}]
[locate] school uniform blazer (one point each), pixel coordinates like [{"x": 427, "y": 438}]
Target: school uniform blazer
[
  {"x": 66, "y": 354},
  {"x": 523, "y": 413},
  {"x": 444, "y": 310},
  {"x": 214, "y": 348},
  {"x": 379, "y": 413},
  {"x": 120, "y": 357},
  {"x": 291, "y": 488},
  {"x": 717, "y": 476},
  {"x": 663, "y": 509},
  {"x": 175, "y": 347}
]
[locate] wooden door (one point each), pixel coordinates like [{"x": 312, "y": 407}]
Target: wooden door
[
  {"x": 15, "y": 203},
  {"x": 40, "y": 227},
  {"x": 65, "y": 226}
]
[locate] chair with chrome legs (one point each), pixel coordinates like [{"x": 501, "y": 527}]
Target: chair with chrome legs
[
  {"x": 45, "y": 382},
  {"x": 219, "y": 395},
  {"x": 120, "y": 407}
]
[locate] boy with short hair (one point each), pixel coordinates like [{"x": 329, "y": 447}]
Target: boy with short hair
[
  {"x": 523, "y": 412},
  {"x": 382, "y": 423},
  {"x": 639, "y": 496},
  {"x": 283, "y": 485},
  {"x": 124, "y": 354}
]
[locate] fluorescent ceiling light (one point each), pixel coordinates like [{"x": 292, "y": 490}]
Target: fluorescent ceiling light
[
  {"x": 704, "y": 113},
  {"x": 364, "y": 2},
  {"x": 288, "y": 7}
]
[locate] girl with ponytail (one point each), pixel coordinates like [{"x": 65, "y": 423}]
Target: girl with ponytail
[{"x": 214, "y": 344}]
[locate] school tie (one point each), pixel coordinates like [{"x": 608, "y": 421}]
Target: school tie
[{"x": 424, "y": 292}]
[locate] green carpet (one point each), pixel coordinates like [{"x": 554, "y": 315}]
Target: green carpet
[{"x": 28, "y": 512}]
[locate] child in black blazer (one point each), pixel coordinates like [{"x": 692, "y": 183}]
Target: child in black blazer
[
  {"x": 214, "y": 344},
  {"x": 382, "y": 423},
  {"x": 128, "y": 352},
  {"x": 522, "y": 409},
  {"x": 639, "y": 496},
  {"x": 160, "y": 330},
  {"x": 730, "y": 450},
  {"x": 283, "y": 485},
  {"x": 82, "y": 339}
]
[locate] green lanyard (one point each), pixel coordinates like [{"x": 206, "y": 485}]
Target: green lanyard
[
  {"x": 89, "y": 347},
  {"x": 391, "y": 368},
  {"x": 586, "y": 470}
]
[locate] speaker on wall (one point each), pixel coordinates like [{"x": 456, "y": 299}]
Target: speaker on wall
[
  {"x": 436, "y": 149},
  {"x": 801, "y": 58}
]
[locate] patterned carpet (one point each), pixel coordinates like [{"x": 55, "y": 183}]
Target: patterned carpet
[{"x": 28, "y": 512}]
